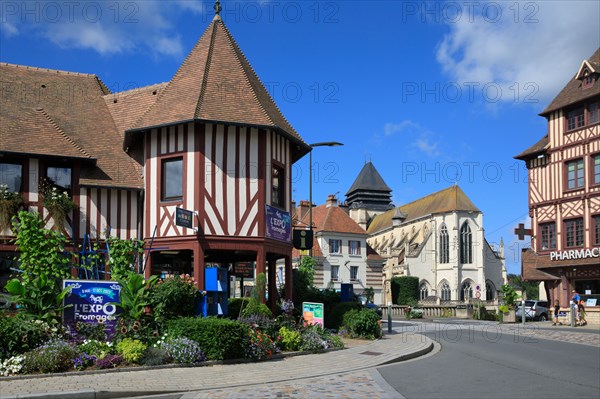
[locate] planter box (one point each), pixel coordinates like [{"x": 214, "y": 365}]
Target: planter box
[{"x": 510, "y": 317}]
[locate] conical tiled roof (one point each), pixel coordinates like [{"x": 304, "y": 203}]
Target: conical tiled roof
[
  {"x": 369, "y": 190},
  {"x": 448, "y": 200},
  {"x": 216, "y": 83}
]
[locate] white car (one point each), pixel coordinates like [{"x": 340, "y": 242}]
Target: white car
[{"x": 534, "y": 310}]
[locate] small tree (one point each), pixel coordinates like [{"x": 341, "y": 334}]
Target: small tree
[
  {"x": 41, "y": 251},
  {"x": 510, "y": 296}
]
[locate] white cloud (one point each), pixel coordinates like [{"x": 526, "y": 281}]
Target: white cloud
[
  {"x": 416, "y": 135},
  {"x": 105, "y": 27},
  {"x": 539, "y": 48}
]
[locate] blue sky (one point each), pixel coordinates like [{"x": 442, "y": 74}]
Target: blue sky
[{"x": 430, "y": 92}]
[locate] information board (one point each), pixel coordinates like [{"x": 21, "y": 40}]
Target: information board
[
  {"x": 313, "y": 313},
  {"x": 184, "y": 218}
]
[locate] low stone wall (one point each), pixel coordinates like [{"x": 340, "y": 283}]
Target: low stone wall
[
  {"x": 592, "y": 316},
  {"x": 428, "y": 311}
]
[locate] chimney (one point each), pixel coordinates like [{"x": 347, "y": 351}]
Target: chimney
[
  {"x": 331, "y": 201},
  {"x": 302, "y": 209}
]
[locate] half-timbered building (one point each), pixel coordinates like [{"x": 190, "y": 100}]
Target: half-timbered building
[
  {"x": 210, "y": 141},
  {"x": 564, "y": 191}
]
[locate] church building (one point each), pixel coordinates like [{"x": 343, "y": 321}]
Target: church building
[
  {"x": 438, "y": 238},
  {"x": 211, "y": 142}
]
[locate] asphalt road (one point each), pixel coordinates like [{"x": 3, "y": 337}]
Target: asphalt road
[{"x": 484, "y": 363}]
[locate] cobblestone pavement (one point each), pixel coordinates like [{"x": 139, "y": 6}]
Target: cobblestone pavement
[
  {"x": 131, "y": 383},
  {"x": 357, "y": 385}
]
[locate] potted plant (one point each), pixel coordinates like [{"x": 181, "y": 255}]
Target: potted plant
[
  {"x": 510, "y": 297},
  {"x": 57, "y": 202},
  {"x": 9, "y": 206}
]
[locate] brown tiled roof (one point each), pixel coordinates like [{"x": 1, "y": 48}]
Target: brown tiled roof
[
  {"x": 33, "y": 132},
  {"x": 447, "y": 200},
  {"x": 217, "y": 83},
  {"x": 127, "y": 107},
  {"x": 573, "y": 92},
  {"x": 535, "y": 149},
  {"x": 332, "y": 219},
  {"x": 74, "y": 106},
  {"x": 372, "y": 254}
]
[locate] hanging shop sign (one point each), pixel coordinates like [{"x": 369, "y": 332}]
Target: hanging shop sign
[
  {"x": 279, "y": 224},
  {"x": 184, "y": 218}
]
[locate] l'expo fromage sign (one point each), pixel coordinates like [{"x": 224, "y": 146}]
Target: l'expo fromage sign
[
  {"x": 92, "y": 301},
  {"x": 572, "y": 254},
  {"x": 279, "y": 224}
]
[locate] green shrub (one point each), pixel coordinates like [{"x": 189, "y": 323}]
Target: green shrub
[
  {"x": 335, "y": 341},
  {"x": 52, "y": 357},
  {"x": 219, "y": 338},
  {"x": 99, "y": 349},
  {"x": 405, "y": 289},
  {"x": 254, "y": 307},
  {"x": 174, "y": 297},
  {"x": 334, "y": 319},
  {"x": 19, "y": 335},
  {"x": 154, "y": 357},
  {"x": 131, "y": 349},
  {"x": 235, "y": 306},
  {"x": 290, "y": 339},
  {"x": 362, "y": 323}
]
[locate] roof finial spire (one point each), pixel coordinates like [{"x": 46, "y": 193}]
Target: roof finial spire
[{"x": 217, "y": 7}]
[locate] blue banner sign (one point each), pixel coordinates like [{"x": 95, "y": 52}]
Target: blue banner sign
[
  {"x": 279, "y": 224},
  {"x": 92, "y": 301}
]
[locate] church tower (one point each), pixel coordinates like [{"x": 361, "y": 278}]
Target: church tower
[{"x": 368, "y": 196}]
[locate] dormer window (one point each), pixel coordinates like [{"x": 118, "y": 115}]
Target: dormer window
[{"x": 588, "y": 81}]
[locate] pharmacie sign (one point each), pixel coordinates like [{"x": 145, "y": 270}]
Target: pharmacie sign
[
  {"x": 572, "y": 254},
  {"x": 92, "y": 301}
]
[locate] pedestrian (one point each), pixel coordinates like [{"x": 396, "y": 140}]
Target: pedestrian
[
  {"x": 556, "y": 311},
  {"x": 581, "y": 313},
  {"x": 575, "y": 298}
]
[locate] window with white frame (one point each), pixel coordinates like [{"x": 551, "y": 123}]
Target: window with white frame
[
  {"x": 445, "y": 293},
  {"x": 444, "y": 245},
  {"x": 172, "y": 179},
  {"x": 466, "y": 244},
  {"x": 353, "y": 273},
  {"x": 335, "y": 246},
  {"x": 423, "y": 291},
  {"x": 335, "y": 273},
  {"x": 354, "y": 247}
]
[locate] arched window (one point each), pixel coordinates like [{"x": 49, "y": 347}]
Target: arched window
[
  {"x": 445, "y": 291},
  {"x": 444, "y": 245},
  {"x": 423, "y": 291},
  {"x": 490, "y": 291},
  {"x": 466, "y": 244},
  {"x": 466, "y": 292}
]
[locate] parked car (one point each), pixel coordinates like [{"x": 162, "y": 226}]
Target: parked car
[
  {"x": 534, "y": 310},
  {"x": 370, "y": 305}
]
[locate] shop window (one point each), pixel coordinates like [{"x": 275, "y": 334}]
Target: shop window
[
  {"x": 589, "y": 290},
  {"x": 574, "y": 233},
  {"x": 278, "y": 187},
  {"x": 575, "y": 176},
  {"x": 548, "y": 236},
  {"x": 172, "y": 179},
  {"x": 11, "y": 176}
]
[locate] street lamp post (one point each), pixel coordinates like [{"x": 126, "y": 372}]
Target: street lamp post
[{"x": 310, "y": 179}]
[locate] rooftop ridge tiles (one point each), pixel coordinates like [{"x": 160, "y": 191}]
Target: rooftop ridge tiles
[
  {"x": 48, "y": 70},
  {"x": 137, "y": 90}
]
